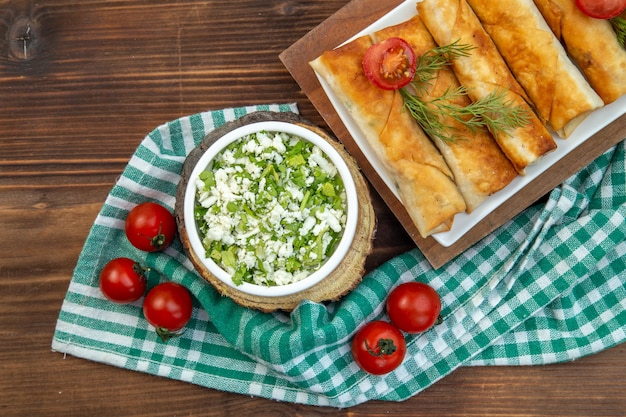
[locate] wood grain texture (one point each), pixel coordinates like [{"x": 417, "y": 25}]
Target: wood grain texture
[{"x": 97, "y": 77}]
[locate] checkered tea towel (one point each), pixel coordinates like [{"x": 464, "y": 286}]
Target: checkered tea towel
[{"x": 547, "y": 286}]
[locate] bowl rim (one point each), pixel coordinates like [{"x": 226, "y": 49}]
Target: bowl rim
[{"x": 352, "y": 207}]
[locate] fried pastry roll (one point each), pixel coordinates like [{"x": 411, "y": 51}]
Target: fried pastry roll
[
  {"x": 591, "y": 43},
  {"x": 424, "y": 181},
  {"x": 479, "y": 166},
  {"x": 560, "y": 93},
  {"x": 484, "y": 72}
]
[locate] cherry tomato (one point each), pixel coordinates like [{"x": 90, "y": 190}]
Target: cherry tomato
[
  {"x": 168, "y": 308},
  {"x": 378, "y": 347},
  {"x": 123, "y": 280},
  {"x": 150, "y": 227},
  {"x": 390, "y": 64},
  {"x": 601, "y": 9},
  {"x": 413, "y": 307}
]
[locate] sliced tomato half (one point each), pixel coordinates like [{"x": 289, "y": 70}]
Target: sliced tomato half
[
  {"x": 390, "y": 64},
  {"x": 601, "y": 9}
]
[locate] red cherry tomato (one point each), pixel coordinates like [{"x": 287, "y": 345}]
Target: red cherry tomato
[
  {"x": 413, "y": 307},
  {"x": 168, "y": 308},
  {"x": 390, "y": 64},
  {"x": 601, "y": 9},
  {"x": 123, "y": 280},
  {"x": 378, "y": 347},
  {"x": 150, "y": 227}
]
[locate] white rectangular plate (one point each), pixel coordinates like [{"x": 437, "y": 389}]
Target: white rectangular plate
[{"x": 464, "y": 222}]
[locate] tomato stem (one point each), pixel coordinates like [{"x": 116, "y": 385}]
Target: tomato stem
[
  {"x": 166, "y": 335},
  {"x": 158, "y": 241},
  {"x": 385, "y": 347},
  {"x": 140, "y": 269}
]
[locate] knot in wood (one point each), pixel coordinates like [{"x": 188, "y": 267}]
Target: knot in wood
[{"x": 23, "y": 38}]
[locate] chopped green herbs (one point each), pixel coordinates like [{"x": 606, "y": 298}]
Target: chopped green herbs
[{"x": 270, "y": 209}]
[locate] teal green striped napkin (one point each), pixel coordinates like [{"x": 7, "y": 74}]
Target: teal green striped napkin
[{"x": 548, "y": 286}]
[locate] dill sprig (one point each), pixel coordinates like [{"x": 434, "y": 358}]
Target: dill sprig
[
  {"x": 492, "y": 112},
  {"x": 619, "y": 25},
  {"x": 431, "y": 62},
  {"x": 437, "y": 116},
  {"x": 429, "y": 114},
  {"x": 498, "y": 114}
]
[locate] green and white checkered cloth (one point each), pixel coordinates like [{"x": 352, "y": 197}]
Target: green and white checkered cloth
[{"x": 548, "y": 286}]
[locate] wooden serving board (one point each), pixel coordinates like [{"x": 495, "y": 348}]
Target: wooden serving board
[
  {"x": 348, "y": 21},
  {"x": 340, "y": 281}
]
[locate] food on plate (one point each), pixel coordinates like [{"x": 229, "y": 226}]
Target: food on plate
[
  {"x": 413, "y": 307},
  {"x": 150, "y": 227},
  {"x": 168, "y": 307},
  {"x": 424, "y": 181},
  {"x": 123, "y": 280},
  {"x": 484, "y": 72},
  {"x": 601, "y": 9},
  {"x": 560, "y": 94},
  {"x": 271, "y": 208},
  {"x": 591, "y": 43},
  {"x": 378, "y": 347},
  {"x": 480, "y": 168}
]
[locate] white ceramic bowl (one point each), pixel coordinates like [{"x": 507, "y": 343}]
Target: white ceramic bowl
[{"x": 351, "y": 217}]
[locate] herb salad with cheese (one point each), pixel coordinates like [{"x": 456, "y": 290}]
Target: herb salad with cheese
[{"x": 270, "y": 209}]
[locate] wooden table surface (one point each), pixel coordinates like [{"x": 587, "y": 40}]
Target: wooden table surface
[{"x": 81, "y": 83}]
